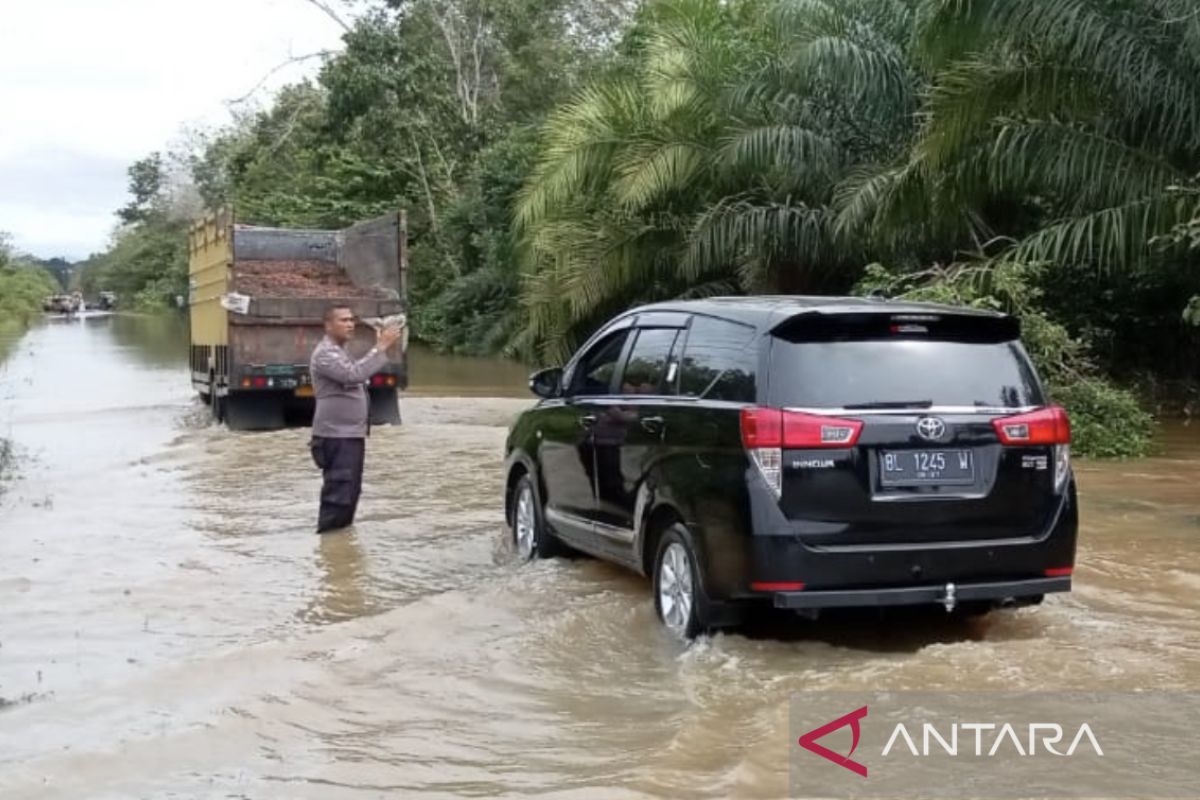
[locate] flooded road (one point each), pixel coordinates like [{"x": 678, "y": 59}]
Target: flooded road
[{"x": 171, "y": 627}]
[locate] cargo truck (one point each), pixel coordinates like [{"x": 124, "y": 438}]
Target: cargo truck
[{"x": 257, "y": 297}]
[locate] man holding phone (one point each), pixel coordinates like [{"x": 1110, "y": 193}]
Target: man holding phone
[{"x": 340, "y": 422}]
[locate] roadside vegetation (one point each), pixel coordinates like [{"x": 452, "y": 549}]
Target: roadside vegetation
[
  {"x": 23, "y": 288},
  {"x": 561, "y": 160}
]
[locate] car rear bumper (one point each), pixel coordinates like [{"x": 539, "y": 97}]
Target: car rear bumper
[{"x": 947, "y": 594}]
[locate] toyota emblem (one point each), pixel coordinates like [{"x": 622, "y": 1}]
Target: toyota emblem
[{"x": 931, "y": 428}]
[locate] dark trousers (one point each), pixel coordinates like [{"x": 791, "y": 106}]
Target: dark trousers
[{"x": 341, "y": 463}]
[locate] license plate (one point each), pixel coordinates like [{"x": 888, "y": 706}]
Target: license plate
[
  {"x": 304, "y": 391},
  {"x": 918, "y": 467}
]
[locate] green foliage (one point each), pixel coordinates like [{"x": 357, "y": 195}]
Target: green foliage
[
  {"x": 1106, "y": 421},
  {"x": 432, "y": 106},
  {"x": 1187, "y": 234},
  {"x": 146, "y": 183},
  {"x": 1084, "y": 113},
  {"x": 477, "y": 312},
  {"x": 716, "y": 154},
  {"x": 23, "y": 288},
  {"x": 561, "y": 160},
  {"x": 147, "y": 263}
]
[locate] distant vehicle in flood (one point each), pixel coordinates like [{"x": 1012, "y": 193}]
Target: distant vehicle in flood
[
  {"x": 106, "y": 301},
  {"x": 62, "y": 304},
  {"x": 257, "y": 297}
]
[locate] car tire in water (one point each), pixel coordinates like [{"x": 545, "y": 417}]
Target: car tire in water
[
  {"x": 531, "y": 538},
  {"x": 679, "y": 595}
]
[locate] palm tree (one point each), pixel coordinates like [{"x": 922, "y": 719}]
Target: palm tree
[
  {"x": 1070, "y": 128},
  {"x": 714, "y": 161}
]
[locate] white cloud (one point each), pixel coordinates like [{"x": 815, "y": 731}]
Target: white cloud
[{"x": 89, "y": 86}]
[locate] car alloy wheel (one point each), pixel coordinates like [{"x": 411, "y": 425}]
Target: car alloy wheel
[
  {"x": 525, "y": 523},
  {"x": 676, "y": 590}
]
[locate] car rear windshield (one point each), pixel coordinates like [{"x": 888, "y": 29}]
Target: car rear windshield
[{"x": 898, "y": 370}]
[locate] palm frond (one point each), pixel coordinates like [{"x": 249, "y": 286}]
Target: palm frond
[
  {"x": 1111, "y": 238},
  {"x": 860, "y": 71},
  {"x": 1123, "y": 56},
  {"x": 968, "y": 95},
  {"x": 690, "y": 55},
  {"x": 580, "y": 143},
  {"x": 781, "y": 147},
  {"x": 871, "y": 198},
  {"x": 738, "y": 231},
  {"x": 891, "y": 208},
  {"x": 1083, "y": 169},
  {"x": 857, "y": 47},
  {"x": 657, "y": 169}
]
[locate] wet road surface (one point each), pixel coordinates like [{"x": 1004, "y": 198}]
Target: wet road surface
[{"x": 170, "y": 626}]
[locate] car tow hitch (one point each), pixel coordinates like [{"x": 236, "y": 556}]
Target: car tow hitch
[{"x": 949, "y": 601}]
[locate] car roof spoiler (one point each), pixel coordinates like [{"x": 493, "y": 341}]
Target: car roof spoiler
[{"x": 815, "y": 325}]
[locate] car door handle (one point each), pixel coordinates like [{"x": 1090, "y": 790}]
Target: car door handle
[
  {"x": 652, "y": 424},
  {"x": 588, "y": 420}
]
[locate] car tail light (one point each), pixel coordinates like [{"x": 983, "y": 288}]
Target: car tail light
[
  {"x": 762, "y": 427},
  {"x": 766, "y": 432},
  {"x": 259, "y": 382},
  {"x": 792, "y": 430},
  {"x": 1058, "y": 572},
  {"x": 1046, "y": 426},
  {"x": 1049, "y": 425}
]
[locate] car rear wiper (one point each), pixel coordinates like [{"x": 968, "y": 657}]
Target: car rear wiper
[{"x": 889, "y": 404}]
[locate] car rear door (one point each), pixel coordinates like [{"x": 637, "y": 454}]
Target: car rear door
[{"x": 901, "y": 429}]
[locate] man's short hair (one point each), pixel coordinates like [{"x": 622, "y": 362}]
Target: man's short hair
[{"x": 333, "y": 308}]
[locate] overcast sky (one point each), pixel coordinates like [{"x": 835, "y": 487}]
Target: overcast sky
[{"x": 89, "y": 86}]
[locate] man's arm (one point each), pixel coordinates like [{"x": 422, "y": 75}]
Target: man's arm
[{"x": 334, "y": 363}]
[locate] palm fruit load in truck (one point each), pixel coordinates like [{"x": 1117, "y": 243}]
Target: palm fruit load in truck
[{"x": 257, "y": 298}]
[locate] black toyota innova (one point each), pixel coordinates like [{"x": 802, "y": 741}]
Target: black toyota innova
[{"x": 804, "y": 452}]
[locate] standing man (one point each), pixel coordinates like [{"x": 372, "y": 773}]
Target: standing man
[{"x": 339, "y": 428}]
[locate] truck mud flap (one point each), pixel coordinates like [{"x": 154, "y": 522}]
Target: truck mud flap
[
  {"x": 385, "y": 407},
  {"x": 254, "y": 412}
]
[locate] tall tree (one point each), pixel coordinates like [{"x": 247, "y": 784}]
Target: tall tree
[
  {"x": 715, "y": 161},
  {"x": 1071, "y": 128}
]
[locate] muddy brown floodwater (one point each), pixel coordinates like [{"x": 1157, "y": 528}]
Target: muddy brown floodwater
[{"x": 171, "y": 627}]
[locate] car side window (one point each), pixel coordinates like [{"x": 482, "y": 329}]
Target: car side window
[
  {"x": 718, "y": 363},
  {"x": 594, "y": 373},
  {"x": 646, "y": 370}
]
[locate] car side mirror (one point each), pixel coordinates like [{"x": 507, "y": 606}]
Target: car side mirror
[{"x": 546, "y": 383}]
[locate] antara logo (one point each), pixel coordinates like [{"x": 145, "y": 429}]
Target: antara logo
[
  {"x": 809, "y": 740},
  {"x": 1002, "y": 737}
]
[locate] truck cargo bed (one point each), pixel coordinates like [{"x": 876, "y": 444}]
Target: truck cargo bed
[{"x": 258, "y": 296}]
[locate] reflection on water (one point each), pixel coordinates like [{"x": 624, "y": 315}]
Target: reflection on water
[
  {"x": 158, "y": 340},
  {"x": 183, "y": 632},
  {"x": 341, "y": 592},
  {"x": 433, "y": 373}
]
